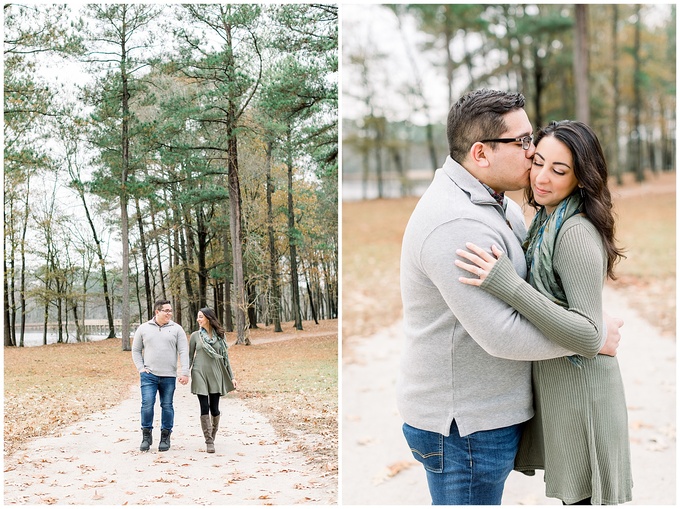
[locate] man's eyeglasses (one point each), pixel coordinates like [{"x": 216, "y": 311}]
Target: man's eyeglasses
[
  {"x": 165, "y": 310},
  {"x": 525, "y": 140}
]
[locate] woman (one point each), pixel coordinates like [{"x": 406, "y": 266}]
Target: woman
[
  {"x": 211, "y": 374},
  {"x": 579, "y": 434}
]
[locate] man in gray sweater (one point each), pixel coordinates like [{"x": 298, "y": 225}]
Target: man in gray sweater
[
  {"x": 155, "y": 349},
  {"x": 464, "y": 383}
]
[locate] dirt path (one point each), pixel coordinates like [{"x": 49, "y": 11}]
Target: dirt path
[
  {"x": 377, "y": 466},
  {"x": 97, "y": 461}
]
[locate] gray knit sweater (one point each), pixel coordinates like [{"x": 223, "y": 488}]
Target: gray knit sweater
[
  {"x": 466, "y": 352},
  {"x": 156, "y": 348}
]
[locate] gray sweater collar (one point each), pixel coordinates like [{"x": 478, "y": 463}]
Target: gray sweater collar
[{"x": 467, "y": 183}]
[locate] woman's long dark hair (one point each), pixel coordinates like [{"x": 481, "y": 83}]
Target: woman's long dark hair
[
  {"x": 214, "y": 322},
  {"x": 590, "y": 169}
]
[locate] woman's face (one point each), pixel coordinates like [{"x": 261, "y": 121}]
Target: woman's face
[
  {"x": 552, "y": 173},
  {"x": 202, "y": 320}
]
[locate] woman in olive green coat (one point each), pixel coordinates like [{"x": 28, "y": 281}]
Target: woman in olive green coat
[{"x": 211, "y": 374}]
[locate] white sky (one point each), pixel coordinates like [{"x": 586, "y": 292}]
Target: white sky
[{"x": 376, "y": 28}]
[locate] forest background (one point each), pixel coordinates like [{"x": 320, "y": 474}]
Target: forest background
[
  {"x": 612, "y": 66},
  {"x": 179, "y": 151}
]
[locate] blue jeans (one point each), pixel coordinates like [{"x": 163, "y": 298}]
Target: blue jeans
[
  {"x": 165, "y": 386},
  {"x": 468, "y": 470}
]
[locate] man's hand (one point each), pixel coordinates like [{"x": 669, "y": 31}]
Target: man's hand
[
  {"x": 611, "y": 344},
  {"x": 183, "y": 379}
]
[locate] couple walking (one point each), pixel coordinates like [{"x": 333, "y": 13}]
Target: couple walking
[
  {"x": 155, "y": 349},
  {"x": 483, "y": 297}
]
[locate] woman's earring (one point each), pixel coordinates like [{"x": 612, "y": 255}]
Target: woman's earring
[{"x": 583, "y": 194}]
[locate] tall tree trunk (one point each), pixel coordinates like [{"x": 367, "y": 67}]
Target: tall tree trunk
[
  {"x": 615, "y": 156},
  {"x": 202, "y": 242},
  {"x": 228, "y": 314},
  {"x": 228, "y": 322},
  {"x": 450, "y": 64},
  {"x": 292, "y": 240},
  {"x": 10, "y": 278},
  {"x": 145, "y": 261},
  {"x": 9, "y": 339},
  {"x": 22, "y": 250},
  {"x": 46, "y": 312},
  {"x": 637, "y": 106},
  {"x": 236, "y": 222},
  {"x": 420, "y": 91},
  {"x": 176, "y": 294},
  {"x": 60, "y": 312},
  {"x": 156, "y": 236},
  {"x": 186, "y": 253},
  {"x": 273, "y": 256},
  {"x": 236, "y": 242},
  {"x": 125, "y": 166},
  {"x": 80, "y": 336},
  {"x": 365, "y": 172},
  {"x": 538, "y": 79},
  {"x": 312, "y": 307},
  {"x": 581, "y": 64},
  {"x": 102, "y": 263},
  {"x": 379, "y": 142},
  {"x": 138, "y": 292},
  {"x": 252, "y": 305}
]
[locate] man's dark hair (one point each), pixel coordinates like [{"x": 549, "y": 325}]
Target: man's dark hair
[
  {"x": 158, "y": 305},
  {"x": 478, "y": 116}
]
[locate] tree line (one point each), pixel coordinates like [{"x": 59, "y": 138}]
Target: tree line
[
  {"x": 196, "y": 160},
  {"x": 612, "y": 66}
]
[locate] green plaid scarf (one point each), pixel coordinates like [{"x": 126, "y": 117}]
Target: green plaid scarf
[{"x": 215, "y": 345}]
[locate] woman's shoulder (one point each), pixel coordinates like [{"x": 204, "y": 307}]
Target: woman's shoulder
[
  {"x": 578, "y": 221},
  {"x": 579, "y": 231}
]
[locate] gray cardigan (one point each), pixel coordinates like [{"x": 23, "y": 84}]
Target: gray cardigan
[{"x": 466, "y": 353}]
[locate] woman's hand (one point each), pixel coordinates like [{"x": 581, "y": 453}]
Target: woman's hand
[{"x": 482, "y": 262}]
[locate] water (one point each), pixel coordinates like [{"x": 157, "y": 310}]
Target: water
[
  {"x": 36, "y": 338},
  {"x": 353, "y": 190}
]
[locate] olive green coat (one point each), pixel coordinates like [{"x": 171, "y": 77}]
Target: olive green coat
[
  {"x": 209, "y": 375},
  {"x": 579, "y": 434}
]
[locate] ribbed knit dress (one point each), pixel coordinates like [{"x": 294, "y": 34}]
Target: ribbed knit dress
[{"x": 579, "y": 434}]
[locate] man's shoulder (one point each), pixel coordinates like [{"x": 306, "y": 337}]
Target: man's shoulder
[{"x": 148, "y": 323}]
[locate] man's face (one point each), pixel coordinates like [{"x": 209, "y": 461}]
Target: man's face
[
  {"x": 164, "y": 315},
  {"x": 511, "y": 164}
]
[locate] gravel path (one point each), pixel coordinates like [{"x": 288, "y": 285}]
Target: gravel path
[
  {"x": 97, "y": 461},
  {"x": 378, "y": 468}
]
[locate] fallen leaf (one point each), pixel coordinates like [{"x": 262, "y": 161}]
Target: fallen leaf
[{"x": 397, "y": 467}]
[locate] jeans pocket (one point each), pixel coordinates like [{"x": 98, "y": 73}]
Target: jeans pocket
[{"x": 426, "y": 446}]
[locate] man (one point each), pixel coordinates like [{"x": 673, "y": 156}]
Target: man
[
  {"x": 155, "y": 348},
  {"x": 464, "y": 386}
]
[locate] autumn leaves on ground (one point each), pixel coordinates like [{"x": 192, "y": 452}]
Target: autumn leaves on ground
[
  {"x": 372, "y": 232},
  {"x": 293, "y": 382}
]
